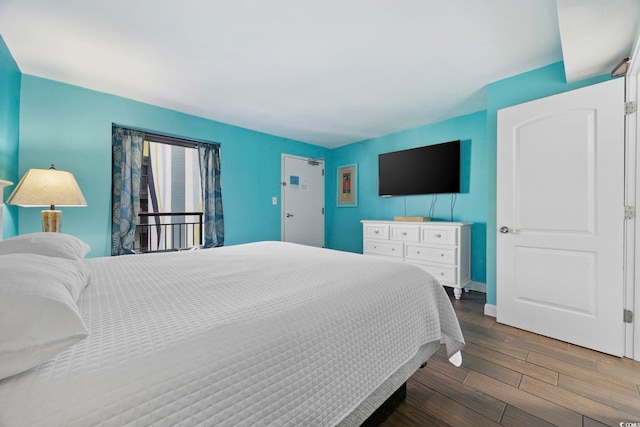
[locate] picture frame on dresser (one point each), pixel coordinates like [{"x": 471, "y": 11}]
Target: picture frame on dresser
[{"x": 347, "y": 186}]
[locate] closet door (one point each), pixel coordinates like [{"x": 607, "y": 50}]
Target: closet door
[{"x": 560, "y": 216}]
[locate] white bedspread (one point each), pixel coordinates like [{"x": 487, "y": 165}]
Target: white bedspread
[{"x": 267, "y": 333}]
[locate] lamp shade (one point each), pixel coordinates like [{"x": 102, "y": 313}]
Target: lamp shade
[{"x": 47, "y": 187}]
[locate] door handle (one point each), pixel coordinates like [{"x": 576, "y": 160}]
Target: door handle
[
  {"x": 504, "y": 229},
  {"x": 289, "y": 215}
]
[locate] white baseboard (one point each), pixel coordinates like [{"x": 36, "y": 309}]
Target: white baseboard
[
  {"x": 490, "y": 310},
  {"x": 478, "y": 287}
]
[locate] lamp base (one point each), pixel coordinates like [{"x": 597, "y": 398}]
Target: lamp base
[{"x": 52, "y": 220}]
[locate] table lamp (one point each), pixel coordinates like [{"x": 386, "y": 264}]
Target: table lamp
[{"x": 48, "y": 187}]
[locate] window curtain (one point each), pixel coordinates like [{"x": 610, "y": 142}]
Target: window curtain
[
  {"x": 209, "y": 155},
  {"x": 174, "y": 186},
  {"x": 127, "y": 165}
]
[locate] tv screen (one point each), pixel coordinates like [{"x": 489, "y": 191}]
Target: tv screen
[{"x": 424, "y": 170}]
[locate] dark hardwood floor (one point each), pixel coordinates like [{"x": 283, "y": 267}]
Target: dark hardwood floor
[{"x": 510, "y": 377}]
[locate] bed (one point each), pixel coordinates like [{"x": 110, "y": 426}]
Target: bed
[{"x": 267, "y": 333}]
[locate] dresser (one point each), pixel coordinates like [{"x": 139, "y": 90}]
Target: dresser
[{"x": 441, "y": 248}]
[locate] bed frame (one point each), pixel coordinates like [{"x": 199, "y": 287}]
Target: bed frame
[
  {"x": 387, "y": 408},
  {"x": 395, "y": 398}
]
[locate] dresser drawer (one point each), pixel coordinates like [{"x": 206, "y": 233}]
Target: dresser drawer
[
  {"x": 405, "y": 234},
  {"x": 384, "y": 248},
  {"x": 376, "y": 231},
  {"x": 442, "y": 236},
  {"x": 442, "y": 273},
  {"x": 432, "y": 254},
  {"x": 440, "y": 248}
]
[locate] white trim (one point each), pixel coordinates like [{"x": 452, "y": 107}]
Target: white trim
[
  {"x": 477, "y": 286},
  {"x": 630, "y": 232},
  {"x": 490, "y": 310},
  {"x": 632, "y": 291}
]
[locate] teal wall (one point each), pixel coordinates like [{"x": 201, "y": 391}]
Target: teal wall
[
  {"x": 9, "y": 124},
  {"x": 71, "y": 127},
  {"x": 345, "y": 230},
  {"x": 477, "y": 203},
  {"x": 43, "y": 122},
  {"x": 525, "y": 87}
]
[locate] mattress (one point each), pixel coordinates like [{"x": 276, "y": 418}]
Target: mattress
[{"x": 266, "y": 333}]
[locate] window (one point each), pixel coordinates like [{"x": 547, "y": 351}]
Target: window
[
  {"x": 162, "y": 207},
  {"x": 170, "y": 210}
]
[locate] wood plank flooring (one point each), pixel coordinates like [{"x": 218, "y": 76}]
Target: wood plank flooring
[{"x": 510, "y": 377}]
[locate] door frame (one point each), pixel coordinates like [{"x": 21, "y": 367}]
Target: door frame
[
  {"x": 283, "y": 180},
  {"x": 632, "y": 235}
]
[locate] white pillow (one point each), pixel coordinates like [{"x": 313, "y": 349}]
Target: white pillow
[
  {"x": 38, "y": 313},
  {"x": 49, "y": 244}
]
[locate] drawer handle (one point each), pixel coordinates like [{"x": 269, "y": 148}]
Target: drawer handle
[
  {"x": 438, "y": 236},
  {"x": 404, "y": 233},
  {"x": 393, "y": 249},
  {"x": 418, "y": 252},
  {"x": 377, "y": 231},
  {"x": 442, "y": 274},
  {"x": 441, "y": 254}
]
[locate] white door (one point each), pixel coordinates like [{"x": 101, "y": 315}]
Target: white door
[
  {"x": 303, "y": 200},
  {"x": 560, "y": 216}
]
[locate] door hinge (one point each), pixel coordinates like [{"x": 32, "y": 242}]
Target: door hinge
[
  {"x": 630, "y": 107},
  {"x": 627, "y": 316},
  {"x": 629, "y": 212},
  {"x": 322, "y": 172},
  {"x": 322, "y": 211}
]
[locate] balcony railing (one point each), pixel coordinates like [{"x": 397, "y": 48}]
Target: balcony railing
[{"x": 168, "y": 231}]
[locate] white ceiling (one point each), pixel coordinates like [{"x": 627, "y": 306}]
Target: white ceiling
[
  {"x": 327, "y": 72},
  {"x": 596, "y": 34}
]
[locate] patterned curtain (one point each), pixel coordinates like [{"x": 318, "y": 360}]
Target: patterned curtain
[
  {"x": 212, "y": 196},
  {"x": 127, "y": 165}
]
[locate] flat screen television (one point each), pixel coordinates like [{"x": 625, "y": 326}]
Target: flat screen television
[{"x": 431, "y": 169}]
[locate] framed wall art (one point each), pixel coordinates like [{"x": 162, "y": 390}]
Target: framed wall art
[{"x": 348, "y": 185}]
